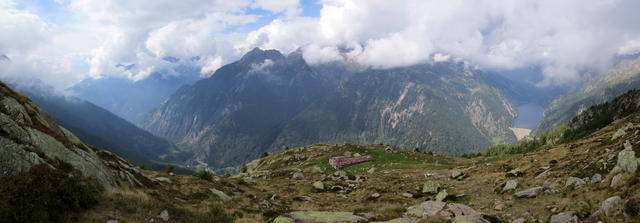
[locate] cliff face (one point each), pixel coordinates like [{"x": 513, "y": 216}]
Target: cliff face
[{"x": 29, "y": 136}]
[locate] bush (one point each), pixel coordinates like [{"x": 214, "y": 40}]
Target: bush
[
  {"x": 169, "y": 168},
  {"x": 205, "y": 175},
  {"x": 46, "y": 195},
  {"x": 264, "y": 154},
  {"x": 216, "y": 214}
]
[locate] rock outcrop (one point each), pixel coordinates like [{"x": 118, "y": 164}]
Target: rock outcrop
[{"x": 29, "y": 136}]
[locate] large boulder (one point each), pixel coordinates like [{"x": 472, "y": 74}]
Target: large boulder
[
  {"x": 610, "y": 206},
  {"x": 425, "y": 209},
  {"x": 430, "y": 187},
  {"x": 320, "y": 217},
  {"x": 529, "y": 193},
  {"x": 627, "y": 160}
]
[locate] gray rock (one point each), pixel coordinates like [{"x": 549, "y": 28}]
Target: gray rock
[
  {"x": 425, "y": 209},
  {"x": 318, "y": 186},
  {"x": 515, "y": 173},
  {"x": 596, "y": 178},
  {"x": 441, "y": 195},
  {"x": 455, "y": 174},
  {"x": 375, "y": 195},
  {"x": 519, "y": 220},
  {"x": 610, "y": 205},
  {"x": 615, "y": 179},
  {"x": 220, "y": 194},
  {"x": 618, "y": 134},
  {"x": 461, "y": 209},
  {"x": 163, "y": 179},
  {"x": 357, "y": 155},
  {"x": 320, "y": 216},
  {"x": 372, "y": 170},
  {"x": 627, "y": 160},
  {"x": 469, "y": 219},
  {"x": 510, "y": 185},
  {"x": 316, "y": 169},
  {"x": 298, "y": 176},
  {"x": 564, "y": 217},
  {"x": 574, "y": 181},
  {"x": 529, "y": 193},
  {"x": 407, "y": 195},
  {"x": 112, "y": 221},
  {"x": 430, "y": 187},
  {"x": 164, "y": 215}
]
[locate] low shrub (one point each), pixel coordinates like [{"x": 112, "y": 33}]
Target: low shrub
[{"x": 44, "y": 194}]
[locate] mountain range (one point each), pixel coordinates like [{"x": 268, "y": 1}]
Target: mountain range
[{"x": 267, "y": 101}]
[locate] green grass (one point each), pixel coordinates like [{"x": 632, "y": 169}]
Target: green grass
[{"x": 399, "y": 159}]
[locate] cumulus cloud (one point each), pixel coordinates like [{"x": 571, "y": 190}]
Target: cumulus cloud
[{"x": 561, "y": 36}]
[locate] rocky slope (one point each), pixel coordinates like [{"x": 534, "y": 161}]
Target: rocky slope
[
  {"x": 30, "y": 137},
  {"x": 267, "y": 101},
  {"x": 594, "y": 178},
  {"x": 595, "y": 89},
  {"x": 99, "y": 127}
]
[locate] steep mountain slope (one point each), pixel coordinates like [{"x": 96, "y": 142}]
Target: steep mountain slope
[
  {"x": 101, "y": 128},
  {"x": 237, "y": 112},
  {"x": 133, "y": 100},
  {"x": 596, "y": 89},
  {"x": 29, "y": 137},
  {"x": 445, "y": 108}
]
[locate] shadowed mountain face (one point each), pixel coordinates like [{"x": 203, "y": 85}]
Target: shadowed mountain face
[
  {"x": 267, "y": 101},
  {"x": 132, "y": 100},
  {"x": 595, "y": 89}
]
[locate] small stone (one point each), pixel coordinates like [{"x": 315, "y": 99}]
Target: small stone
[
  {"x": 407, "y": 195},
  {"x": 515, "y": 173},
  {"x": 275, "y": 197},
  {"x": 510, "y": 185},
  {"x": 318, "y": 186},
  {"x": 596, "y": 178},
  {"x": 357, "y": 155},
  {"x": 112, "y": 221},
  {"x": 164, "y": 215},
  {"x": 163, "y": 179},
  {"x": 615, "y": 179},
  {"x": 298, "y": 176},
  {"x": 519, "y": 220},
  {"x": 529, "y": 193},
  {"x": 220, "y": 194},
  {"x": 564, "y": 217},
  {"x": 375, "y": 195},
  {"x": 372, "y": 170},
  {"x": 316, "y": 169},
  {"x": 441, "y": 195},
  {"x": 455, "y": 174},
  {"x": 574, "y": 181}
]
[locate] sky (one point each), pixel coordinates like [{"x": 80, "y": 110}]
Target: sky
[{"x": 62, "y": 42}]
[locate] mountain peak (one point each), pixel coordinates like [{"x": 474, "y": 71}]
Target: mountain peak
[{"x": 259, "y": 55}]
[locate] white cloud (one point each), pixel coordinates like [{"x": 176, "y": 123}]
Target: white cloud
[
  {"x": 289, "y": 7},
  {"x": 561, "y": 36}
]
